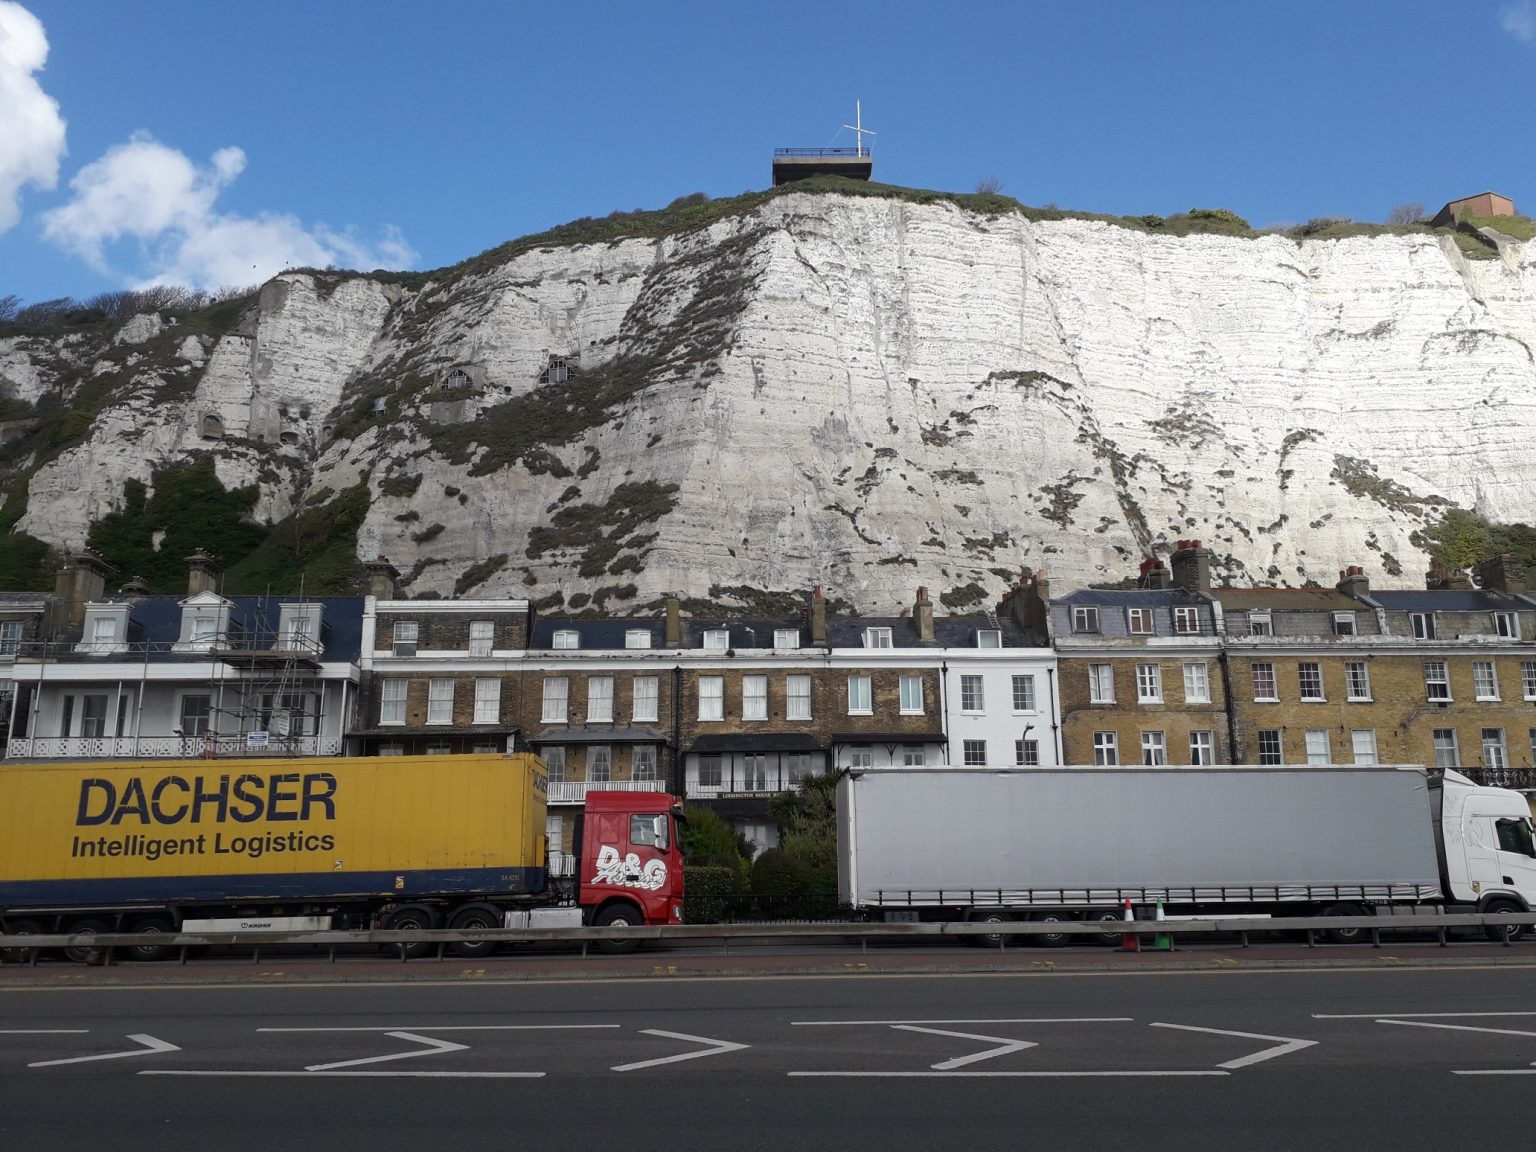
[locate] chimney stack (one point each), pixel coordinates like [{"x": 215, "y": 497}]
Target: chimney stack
[
  {"x": 1354, "y": 583},
  {"x": 202, "y": 573},
  {"x": 136, "y": 586},
  {"x": 922, "y": 615},
  {"x": 1439, "y": 578},
  {"x": 1503, "y": 573},
  {"x": 1154, "y": 574},
  {"x": 383, "y": 579},
  {"x": 674, "y": 622},
  {"x": 82, "y": 580},
  {"x": 818, "y": 618},
  {"x": 1027, "y": 602},
  {"x": 1191, "y": 567}
]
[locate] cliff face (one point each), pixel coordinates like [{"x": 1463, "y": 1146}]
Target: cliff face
[{"x": 859, "y": 392}]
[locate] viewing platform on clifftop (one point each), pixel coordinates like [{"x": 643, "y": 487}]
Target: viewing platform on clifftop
[{"x": 790, "y": 164}]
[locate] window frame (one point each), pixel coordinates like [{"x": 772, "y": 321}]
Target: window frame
[
  {"x": 1506, "y": 625},
  {"x": 1186, "y": 620},
  {"x": 1202, "y": 752},
  {"x": 878, "y": 638},
  {"x": 1309, "y": 681},
  {"x": 437, "y": 713},
  {"x": 711, "y": 698},
  {"x": 487, "y": 701},
  {"x": 973, "y": 753},
  {"x": 387, "y": 689},
  {"x": 408, "y": 644},
  {"x": 1026, "y": 752},
  {"x": 1495, "y": 739},
  {"x": 989, "y": 638},
  {"x": 11, "y": 634},
  {"x": 1106, "y": 749},
  {"x": 1271, "y": 746},
  {"x": 793, "y": 700},
  {"x": 861, "y": 694},
  {"x": 1268, "y": 674},
  {"x": 637, "y": 638},
  {"x": 1203, "y": 695},
  {"x": 1138, "y": 622},
  {"x": 600, "y": 699},
  {"x": 716, "y": 639},
  {"x": 1030, "y": 700},
  {"x": 556, "y": 691},
  {"x": 565, "y": 640},
  {"x": 1441, "y": 679},
  {"x": 1442, "y": 746},
  {"x": 483, "y": 645},
  {"x": 1085, "y": 618},
  {"x": 1327, "y": 750},
  {"x": 1344, "y": 624},
  {"x": 1154, "y": 748},
  {"x": 1149, "y": 684},
  {"x": 973, "y": 693},
  {"x": 1352, "y": 681},
  {"x": 1261, "y": 622},
  {"x": 907, "y": 706},
  {"x": 651, "y": 696},
  {"x": 779, "y": 638},
  {"x": 1101, "y": 683},
  {"x": 1355, "y": 742},
  {"x": 1485, "y": 681},
  {"x": 1422, "y": 625},
  {"x": 599, "y": 755},
  {"x": 754, "y": 705}
]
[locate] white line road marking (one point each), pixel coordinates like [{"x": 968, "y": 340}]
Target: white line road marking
[
  {"x": 437, "y": 1075},
  {"x": 435, "y": 1047},
  {"x": 1456, "y": 1027},
  {"x": 43, "y": 1031},
  {"x": 149, "y": 1046},
  {"x": 998, "y": 1075},
  {"x": 1014, "y": 1020},
  {"x": 719, "y": 1046},
  {"x": 449, "y": 1028},
  {"x": 1283, "y": 1044},
  {"x": 1495, "y": 1072},
  {"x": 1410, "y": 1015},
  {"x": 960, "y": 1061}
]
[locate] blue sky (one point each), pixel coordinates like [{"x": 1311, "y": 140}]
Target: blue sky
[{"x": 210, "y": 142}]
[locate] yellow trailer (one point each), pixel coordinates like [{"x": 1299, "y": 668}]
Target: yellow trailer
[{"x": 214, "y": 833}]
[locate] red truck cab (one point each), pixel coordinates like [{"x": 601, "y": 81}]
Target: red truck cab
[{"x": 631, "y": 864}]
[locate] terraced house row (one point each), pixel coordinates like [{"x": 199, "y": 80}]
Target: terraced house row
[{"x": 729, "y": 712}]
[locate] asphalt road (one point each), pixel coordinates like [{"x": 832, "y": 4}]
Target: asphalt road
[{"x": 1433, "y": 1058}]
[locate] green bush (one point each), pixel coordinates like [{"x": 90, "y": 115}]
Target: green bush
[{"x": 707, "y": 892}]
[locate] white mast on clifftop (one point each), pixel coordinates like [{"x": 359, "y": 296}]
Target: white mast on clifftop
[{"x": 858, "y": 129}]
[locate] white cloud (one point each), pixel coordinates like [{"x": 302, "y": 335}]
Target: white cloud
[
  {"x": 147, "y": 192},
  {"x": 1519, "y": 21},
  {"x": 32, "y": 136}
]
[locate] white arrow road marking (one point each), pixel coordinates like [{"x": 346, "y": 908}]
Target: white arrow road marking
[
  {"x": 1456, "y": 1027},
  {"x": 1284, "y": 1044},
  {"x": 150, "y": 1045},
  {"x": 960, "y": 1061},
  {"x": 434, "y": 1047},
  {"x": 719, "y": 1046}
]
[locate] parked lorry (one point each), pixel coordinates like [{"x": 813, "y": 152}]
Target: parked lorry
[
  {"x": 402, "y": 843},
  {"x": 1054, "y": 845}
]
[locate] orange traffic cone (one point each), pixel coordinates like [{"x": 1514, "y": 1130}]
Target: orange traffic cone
[{"x": 1128, "y": 940}]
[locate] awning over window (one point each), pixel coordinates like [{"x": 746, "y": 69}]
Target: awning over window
[
  {"x": 889, "y": 738},
  {"x": 758, "y": 742},
  {"x": 598, "y": 736}
]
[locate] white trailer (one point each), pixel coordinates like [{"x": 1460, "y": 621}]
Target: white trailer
[{"x": 1055, "y": 844}]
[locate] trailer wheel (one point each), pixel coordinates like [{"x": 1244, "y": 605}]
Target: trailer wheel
[
  {"x": 20, "y": 928},
  {"x": 1052, "y": 939},
  {"x": 1111, "y": 936},
  {"x": 86, "y": 953},
  {"x": 618, "y": 916},
  {"x": 410, "y": 918},
  {"x": 1499, "y": 933},
  {"x": 152, "y": 926},
  {"x": 1345, "y": 935},
  {"x": 475, "y": 916},
  {"x": 989, "y": 940}
]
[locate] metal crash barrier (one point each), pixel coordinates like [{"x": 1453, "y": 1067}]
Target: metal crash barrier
[{"x": 27, "y": 949}]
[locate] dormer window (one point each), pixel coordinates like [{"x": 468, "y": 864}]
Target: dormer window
[
  {"x": 1344, "y": 624},
  {"x": 718, "y": 639},
  {"x": 989, "y": 638},
  {"x": 204, "y": 623},
  {"x": 106, "y": 630},
  {"x": 1260, "y": 624},
  {"x": 786, "y": 637},
  {"x": 300, "y": 627},
  {"x": 1085, "y": 618},
  {"x": 1138, "y": 621},
  {"x": 1423, "y": 625},
  {"x": 567, "y": 638},
  {"x": 403, "y": 640},
  {"x": 1506, "y": 624},
  {"x": 637, "y": 638},
  {"x": 877, "y": 638}
]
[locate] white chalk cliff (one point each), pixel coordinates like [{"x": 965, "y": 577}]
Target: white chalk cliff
[{"x": 860, "y": 392}]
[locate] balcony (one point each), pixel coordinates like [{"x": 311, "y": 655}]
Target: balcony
[
  {"x": 164, "y": 747},
  {"x": 575, "y": 791},
  {"x": 1520, "y": 779}
]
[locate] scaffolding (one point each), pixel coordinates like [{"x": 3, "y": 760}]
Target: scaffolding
[{"x": 268, "y": 696}]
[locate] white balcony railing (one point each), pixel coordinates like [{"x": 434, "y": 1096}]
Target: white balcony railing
[
  {"x": 575, "y": 791},
  {"x": 164, "y": 747}
]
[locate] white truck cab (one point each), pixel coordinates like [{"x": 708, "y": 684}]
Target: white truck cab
[{"x": 1487, "y": 846}]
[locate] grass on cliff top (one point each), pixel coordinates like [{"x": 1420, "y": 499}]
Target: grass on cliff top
[{"x": 1519, "y": 227}]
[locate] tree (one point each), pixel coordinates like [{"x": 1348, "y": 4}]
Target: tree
[
  {"x": 807, "y": 822},
  {"x": 9, "y": 307},
  {"x": 989, "y": 186},
  {"x": 1408, "y": 212}
]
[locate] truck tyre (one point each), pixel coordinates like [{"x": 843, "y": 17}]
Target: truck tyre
[
  {"x": 1345, "y": 935},
  {"x": 1111, "y": 936},
  {"x": 410, "y": 918},
  {"x": 1502, "y": 906},
  {"x": 995, "y": 916},
  {"x": 618, "y": 916},
  {"x": 20, "y": 955},
  {"x": 475, "y": 916},
  {"x": 87, "y": 952},
  {"x": 1052, "y": 939},
  {"x": 152, "y": 926}
]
